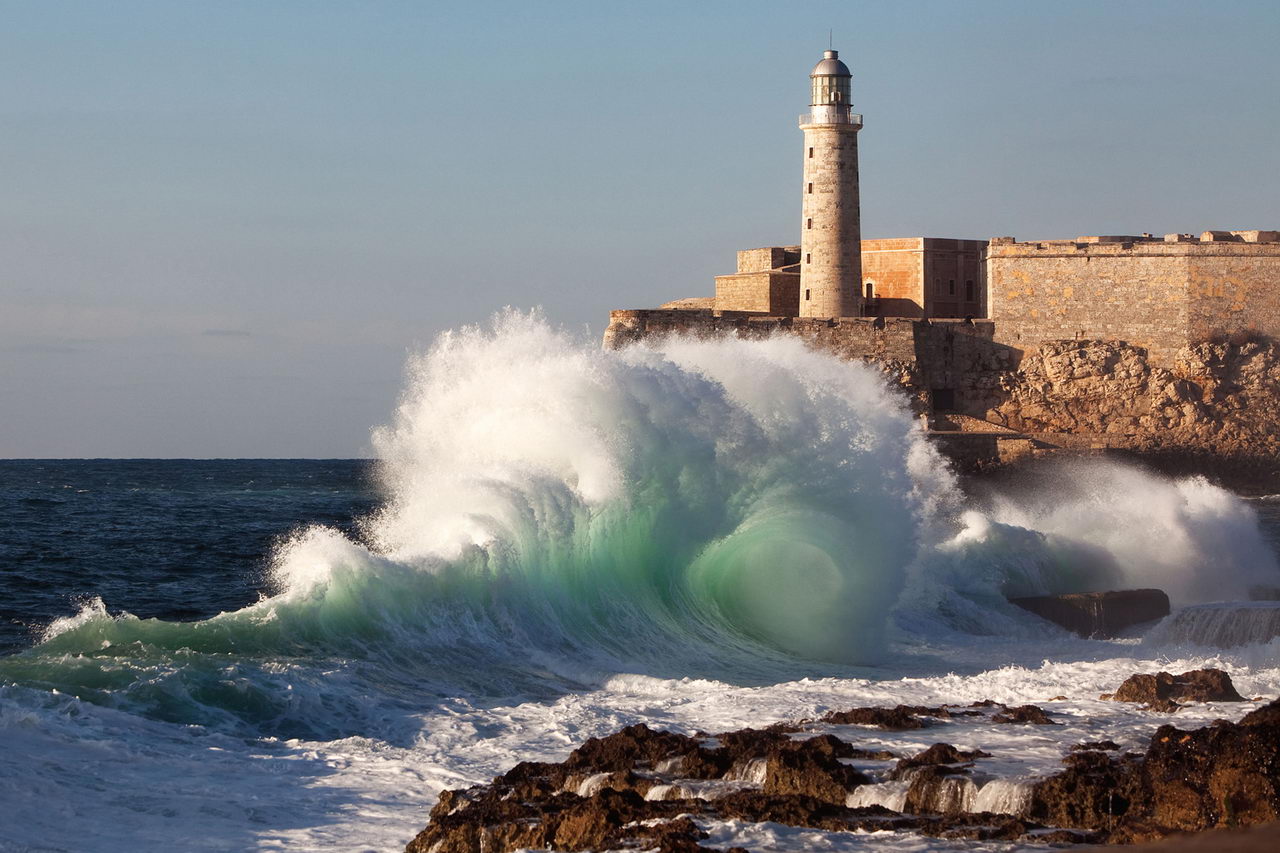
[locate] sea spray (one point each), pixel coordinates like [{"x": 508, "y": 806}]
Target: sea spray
[
  {"x": 745, "y": 511},
  {"x": 1194, "y": 540}
]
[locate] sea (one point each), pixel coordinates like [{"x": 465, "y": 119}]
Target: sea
[{"x": 554, "y": 542}]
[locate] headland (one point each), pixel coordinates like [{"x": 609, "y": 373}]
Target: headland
[{"x": 1160, "y": 347}]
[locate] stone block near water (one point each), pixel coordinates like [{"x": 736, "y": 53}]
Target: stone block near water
[{"x": 1098, "y": 614}]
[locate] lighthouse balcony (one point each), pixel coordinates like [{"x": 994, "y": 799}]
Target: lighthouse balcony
[{"x": 828, "y": 116}]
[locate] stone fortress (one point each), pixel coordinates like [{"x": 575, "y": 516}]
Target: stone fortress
[{"x": 1008, "y": 348}]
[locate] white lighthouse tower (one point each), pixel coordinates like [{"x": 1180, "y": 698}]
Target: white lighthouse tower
[{"x": 831, "y": 232}]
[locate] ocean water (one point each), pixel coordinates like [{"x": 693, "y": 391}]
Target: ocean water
[{"x": 555, "y": 542}]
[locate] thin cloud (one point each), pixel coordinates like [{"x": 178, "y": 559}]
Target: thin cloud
[
  {"x": 227, "y": 333},
  {"x": 43, "y": 349}
]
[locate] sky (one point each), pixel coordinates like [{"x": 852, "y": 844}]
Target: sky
[{"x": 224, "y": 226}]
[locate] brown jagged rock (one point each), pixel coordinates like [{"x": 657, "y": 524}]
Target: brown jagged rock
[
  {"x": 813, "y": 768},
  {"x": 938, "y": 779},
  {"x": 939, "y": 754},
  {"x": 1255, "y": 839},
  {"x": 1161, "y": 690},
  {"x": 937, "y": 789},
  {"x": 899, "y": 718},
  {"x": 639, "y": 747},
  {"x": 1032, "y": 714},
  {"x": 1094, "y": 792},
  {"x": 799, "y": 810},
  {"x": 1267, "y": 715},
  {"x": 676, "y": 836},
  {"x": 1224, "y": 774},
  {"x": 1220, "y": 775},
  {"x": 1096, "y": 745},
  {"x": 1098, "y": 614},
  {"x": 1219, "y": 400}
]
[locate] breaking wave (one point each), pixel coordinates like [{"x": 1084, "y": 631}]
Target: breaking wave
[{"x": 556, "y": 514}]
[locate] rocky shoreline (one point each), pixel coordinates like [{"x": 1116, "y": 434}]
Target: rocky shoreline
[{"x": 644, "y": 789}]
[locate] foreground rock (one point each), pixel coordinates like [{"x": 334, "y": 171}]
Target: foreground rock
[
  {"x": 645, "y": 789},
  {"x": 1254, "y": 839},
  {"x": 1222, "y": 775},
  {"x": 1098, "y": 614}
]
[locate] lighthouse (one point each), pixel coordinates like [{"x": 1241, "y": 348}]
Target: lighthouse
[{"x": 831, "y": 233}]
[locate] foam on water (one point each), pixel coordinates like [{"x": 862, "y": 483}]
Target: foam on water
[{"x": 575, "y": 540}]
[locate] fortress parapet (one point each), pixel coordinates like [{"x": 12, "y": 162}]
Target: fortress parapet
[{"x": 1158, "y": 293}]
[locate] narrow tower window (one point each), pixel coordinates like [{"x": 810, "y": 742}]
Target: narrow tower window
[
  {"x": 806, "y": 296},
  {"x": 808, "y": 258},
  {"x": 808, "y": 223},
  {"x": 811, "y": 189},
  {"x": 871, "y": 290},
  {"x": 810, "y": 153}
]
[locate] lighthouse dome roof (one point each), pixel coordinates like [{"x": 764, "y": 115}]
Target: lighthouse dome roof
[{"x": 830, "y": 66}]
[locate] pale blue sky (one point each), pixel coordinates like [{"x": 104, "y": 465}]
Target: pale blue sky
[{"x": 223, "y": 225}]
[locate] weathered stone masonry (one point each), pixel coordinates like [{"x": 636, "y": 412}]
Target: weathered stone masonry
[{"x": 1158, "y": 294}]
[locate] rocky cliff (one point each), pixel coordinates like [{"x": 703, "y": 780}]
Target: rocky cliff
[{"x": 1219, "y": 399}]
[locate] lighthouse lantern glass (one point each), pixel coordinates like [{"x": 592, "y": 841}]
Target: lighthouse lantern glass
[{"x": 830, "y": 91}]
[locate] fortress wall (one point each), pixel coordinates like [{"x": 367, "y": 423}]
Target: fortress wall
[
  {"x": 768, "y": 258},
  {"x": 1157, "y": 295},
  {"x": 949, "y": 261},
  {"x": 896, "y": 269},
  {"x": 1233, "y": 289},
  {"x": 763, "y": 292},
  {"x": 960, "y": 364},
  {"x": 1137, "y": 293}
]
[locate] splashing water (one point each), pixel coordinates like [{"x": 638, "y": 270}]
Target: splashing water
[{"x": 555, "y": 514}]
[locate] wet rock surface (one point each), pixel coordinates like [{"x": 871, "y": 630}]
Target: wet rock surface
[
  {"x": 644, "y": 789},
  {"x": 1098, "y": 614},
  {"x": 1222, "y": 775},
  {"x": 1030, "y": 714},
  {"x": 939, "y": 754},
  {"x": 1163, "y": 691},
  {"x": 899, "y": 718}
]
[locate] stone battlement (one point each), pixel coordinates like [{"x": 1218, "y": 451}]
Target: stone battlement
[
  {"x": 1161, "y": 294},
  {"x": 1208, "y": 244}
]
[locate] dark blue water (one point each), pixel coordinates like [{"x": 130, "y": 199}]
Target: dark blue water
[{"x": 171, "y": 539}]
